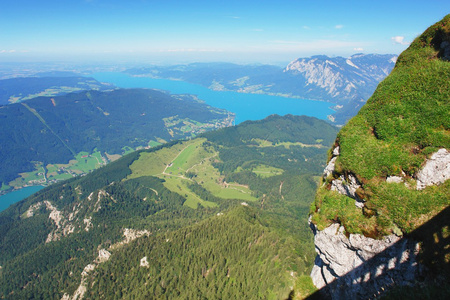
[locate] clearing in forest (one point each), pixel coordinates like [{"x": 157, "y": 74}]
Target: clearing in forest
[{"x": 188, "y": 163}]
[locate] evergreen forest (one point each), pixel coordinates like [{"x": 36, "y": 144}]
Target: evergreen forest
[{"x": 220, "y": 216}]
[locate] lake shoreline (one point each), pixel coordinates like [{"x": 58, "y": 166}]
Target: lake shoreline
[
  {"x": 227, "y": 90},
  {"x": 246, "y": 106},
  {"x": 14, "y": 196}
]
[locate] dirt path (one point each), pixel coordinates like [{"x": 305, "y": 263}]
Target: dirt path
[
  {"x": 169, "y": 165},
  {"x": 281, "y": 186}
]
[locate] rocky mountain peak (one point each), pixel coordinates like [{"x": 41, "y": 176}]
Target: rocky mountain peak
[{"x": 343, "y": 77}]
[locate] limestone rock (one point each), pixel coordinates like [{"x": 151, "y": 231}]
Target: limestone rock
[
  {"x": 435, "y": 171},
  {"x": 144, "y": 262},
  {"x": 103, "y": 256},
  {"x": 329, "y": 169},
  {"x": 394, "y": 179},
  {"x": 336, "y": 151},
  {"x": 349, "y": 266},
  {"x": 129, "y": 236},
  {"x": 345, "y": 186}
]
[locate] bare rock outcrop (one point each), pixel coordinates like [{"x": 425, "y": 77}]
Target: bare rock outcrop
[
  {"x": 357, "y": 266},
  {"x": 144, "y": 262},
  {"x": 347, "y": 186},
  {"x": 103, "y": 256},
  {"x": 63, "y": 226},
  {"x": 435, "y": 171},
  {"x": 329, "y": 169}
]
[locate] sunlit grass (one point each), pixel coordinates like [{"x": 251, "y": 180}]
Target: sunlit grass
[
  {"x": 179, "y": 186},
  {"x": 265, "y": 171},
  {"x": 185, "y": 163},
  {"x": 402, "y": 124}
]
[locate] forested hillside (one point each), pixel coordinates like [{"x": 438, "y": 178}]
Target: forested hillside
[
  {"x": 14, "y": 90},
  {"x": 220, "y": 216},
  {"x": 41, "y": 132}
]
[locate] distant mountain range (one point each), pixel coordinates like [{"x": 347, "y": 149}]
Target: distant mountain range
[
  {"x": 345, "y": 82},
  {"x": 348, "y": 82}
]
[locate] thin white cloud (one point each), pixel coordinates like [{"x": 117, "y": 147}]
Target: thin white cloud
[
  {"x": 317, "y": 46},
  {"x": 191, "y": 50},
  {"x": 339, "y": 26},
  {"x": 399, "y": 40},
  {"x": 8, "y": 51},
  {"x": 358, "y": 49},
  {"x": 306, "y": 27},
  {"x": 286, "y": 42}
]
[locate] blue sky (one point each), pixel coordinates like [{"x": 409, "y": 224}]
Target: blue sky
[{"x": 196, "y": 30}]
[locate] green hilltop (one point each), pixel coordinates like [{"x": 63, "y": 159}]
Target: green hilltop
[{"x": 405, "y": 121}]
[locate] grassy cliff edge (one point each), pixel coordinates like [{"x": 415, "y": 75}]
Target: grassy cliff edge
[{"x": 383, "y": 148}]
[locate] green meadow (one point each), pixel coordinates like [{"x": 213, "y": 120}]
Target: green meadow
[
  {"x": 267, "y": 171},
  {"x": 190, "y": 162},
  {"x": 83, "y": 163}
]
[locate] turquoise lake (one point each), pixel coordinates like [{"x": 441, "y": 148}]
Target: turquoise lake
[
  {"x": 245, "y": 106},
  {"x": 16, "y": 196}
]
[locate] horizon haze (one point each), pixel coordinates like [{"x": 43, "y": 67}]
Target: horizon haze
[{"x": 162, "y": 32}]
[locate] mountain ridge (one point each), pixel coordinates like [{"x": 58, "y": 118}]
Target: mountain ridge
[{"x": 373, "y": 194}]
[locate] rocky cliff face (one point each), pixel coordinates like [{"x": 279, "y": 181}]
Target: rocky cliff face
[
  {"x": 347, "y": 82},
  {"x": 387, "y": 182},
  {"x": 358, "y": 266},
  {"x": 349, "y": 265}
]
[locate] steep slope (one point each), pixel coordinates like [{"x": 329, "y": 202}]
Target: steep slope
[
  {"x": 346, "y": 82},
  {"x": 220, "y": 216},
  {"x": 387, "y": 175},
  {"x": 55, "y": 130}
]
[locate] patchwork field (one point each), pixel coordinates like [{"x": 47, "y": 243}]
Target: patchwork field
[{"x": 83, "y": 163}]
